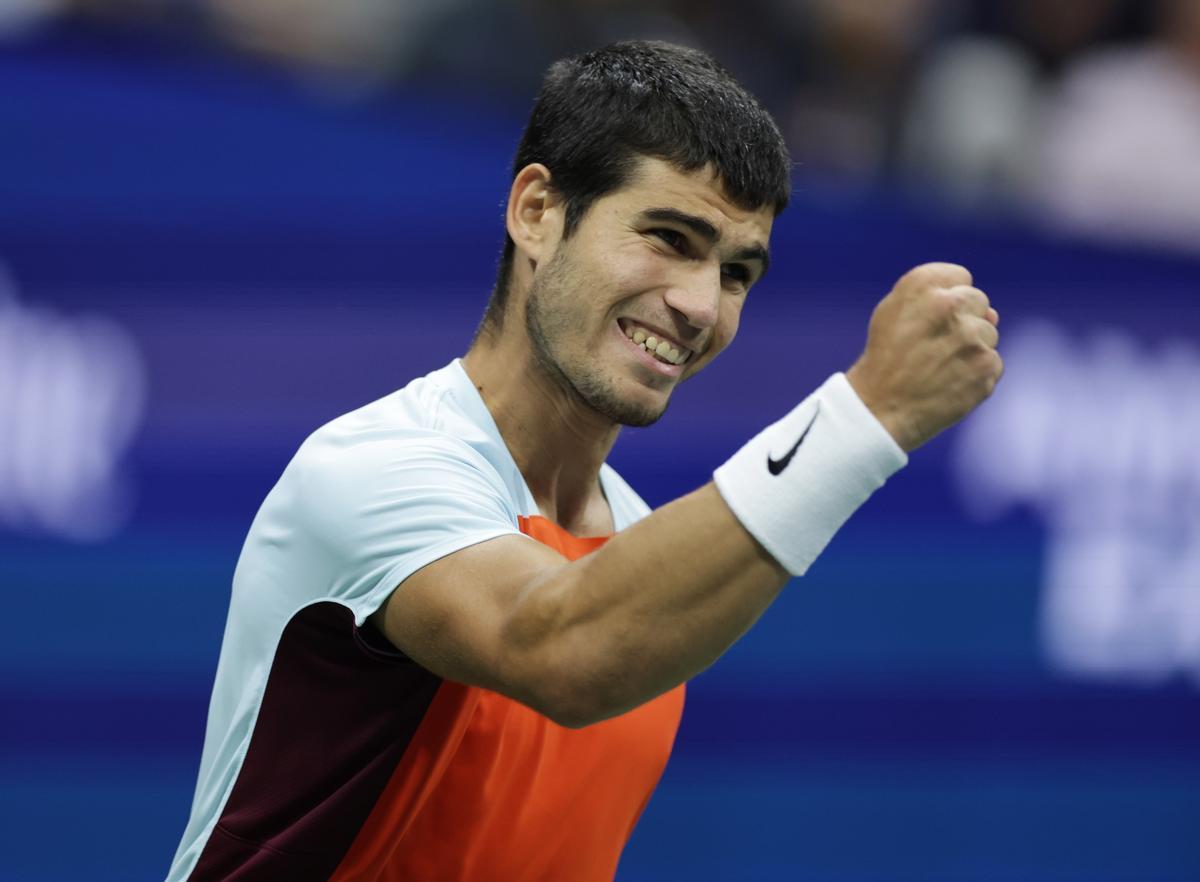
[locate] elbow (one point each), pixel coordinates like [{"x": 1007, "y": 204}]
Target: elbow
[
  {"x": 578, "y": 722},
  {"x": 558, "y": 670},
  {"x": 594, "y": 687},
  {"x": 562, "y": 690},
  {"x": 540, "y": 666},
  {"x": 582, "y": 688},
  {"x": 569, "y": 718},
  {"x": 563, "y": 698}
]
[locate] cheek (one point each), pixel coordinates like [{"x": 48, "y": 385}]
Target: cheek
[{"x": 636, "y": 268}]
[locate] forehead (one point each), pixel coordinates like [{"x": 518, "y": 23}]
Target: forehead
[{"x": 655, "y": 183}]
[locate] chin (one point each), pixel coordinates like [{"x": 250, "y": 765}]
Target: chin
[
  {"x": 643, "y": 418},
  {"x": 629, "y": 410}
]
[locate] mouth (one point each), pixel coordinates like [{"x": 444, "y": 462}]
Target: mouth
[{"x": 659, "y": 347}]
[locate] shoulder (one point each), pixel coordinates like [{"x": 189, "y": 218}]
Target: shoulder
[
  {"x": 370, "y": 497},
  {"x": 420, "y": 422},
  {"x": 373, "y": 465},
  {"x": 415, "y": 445}
]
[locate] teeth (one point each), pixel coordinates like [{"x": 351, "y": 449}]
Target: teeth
[{"x": 663, "y": 350}]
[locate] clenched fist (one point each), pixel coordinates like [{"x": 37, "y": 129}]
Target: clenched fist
[{"x": 931, "y": 353}]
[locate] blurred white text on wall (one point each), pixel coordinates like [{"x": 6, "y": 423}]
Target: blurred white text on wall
[
  {"x": 72, "y": 396},
  {"x": 1100, "y": 438}
]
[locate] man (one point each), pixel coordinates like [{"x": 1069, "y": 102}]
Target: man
[{"x": 411, "y": 688}]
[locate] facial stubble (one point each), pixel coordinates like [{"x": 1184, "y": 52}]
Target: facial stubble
[{"x": 552, "y": 314}]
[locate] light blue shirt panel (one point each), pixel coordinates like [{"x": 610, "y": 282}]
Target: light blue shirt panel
[
  {"x": 392, "y": 506},
  {"x": 377, "y": 494},
  {"x": 369, "y": 499}
]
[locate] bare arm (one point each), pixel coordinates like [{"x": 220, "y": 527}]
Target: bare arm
[{"x": 585, "y": 640}]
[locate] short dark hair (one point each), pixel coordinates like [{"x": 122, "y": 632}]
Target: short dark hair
[{"x": 599, "y": 112}]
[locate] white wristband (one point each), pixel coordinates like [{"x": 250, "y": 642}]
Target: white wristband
[{"x": 798, "y": 480}]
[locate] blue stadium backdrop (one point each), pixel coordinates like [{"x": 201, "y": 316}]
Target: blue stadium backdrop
[{"x": 991, "y": 674}]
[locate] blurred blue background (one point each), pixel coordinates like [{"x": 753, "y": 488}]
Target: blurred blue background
[{"x": 223, "y": 224}]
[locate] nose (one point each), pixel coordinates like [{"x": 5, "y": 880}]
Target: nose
[{"x": 697, "y": 299}]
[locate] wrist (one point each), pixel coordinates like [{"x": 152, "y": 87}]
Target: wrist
[
  {"x": 886, "y": 414},
  {"x": 796, "y": 482}
]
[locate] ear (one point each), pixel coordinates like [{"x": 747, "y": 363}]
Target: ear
[{"x": 534, "y": 217}]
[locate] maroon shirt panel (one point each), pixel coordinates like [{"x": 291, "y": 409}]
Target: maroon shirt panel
[{"x": 339, "y": 710}]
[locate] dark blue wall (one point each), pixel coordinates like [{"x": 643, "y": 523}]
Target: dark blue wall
[{"x": 279, "y": 258}]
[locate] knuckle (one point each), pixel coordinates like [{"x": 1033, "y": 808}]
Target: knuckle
[
  {"x": 976, "y": 351},
  {"x": 978, "y": 301},
  {"x": 913, "y": 280},
  {"x": 993, "y": 366},
  {"x": 980, "y": 358},
  {"x": 935, "y": 275},
  {"x": 949, "y": 274},
  {"x": 973, "y": 299},
  {"x": 946, "y": 304},
  {"x": 986, "y": 377}
]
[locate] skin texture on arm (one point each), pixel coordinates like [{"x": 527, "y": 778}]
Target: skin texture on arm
[
  {"x": 586, "y": 640},
  {"x": 659, "y": 602}
]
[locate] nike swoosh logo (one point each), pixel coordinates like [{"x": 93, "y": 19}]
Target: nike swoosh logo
[{"x": 776, "y": 466}]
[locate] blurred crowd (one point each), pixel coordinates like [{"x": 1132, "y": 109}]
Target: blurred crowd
[{"x": 1083, "y": 114}]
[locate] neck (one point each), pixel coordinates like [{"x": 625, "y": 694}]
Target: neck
[{"x": 556, "y": 440}]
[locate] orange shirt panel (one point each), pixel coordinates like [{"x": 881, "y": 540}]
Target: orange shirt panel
[{"x": 491, "y": 791}]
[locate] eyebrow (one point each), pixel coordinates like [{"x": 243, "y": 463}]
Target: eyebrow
[{"x": 708, "y": 233}]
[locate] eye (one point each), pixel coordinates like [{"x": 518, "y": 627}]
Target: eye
[
  {"x": 674, "y": 239},
  {"x": 739, "y": 272}
]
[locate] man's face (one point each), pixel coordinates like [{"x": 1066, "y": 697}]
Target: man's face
[{"x": 667, "y": 259}]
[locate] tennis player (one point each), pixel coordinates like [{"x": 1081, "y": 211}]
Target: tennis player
[{"x": 458, "y": 640}]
